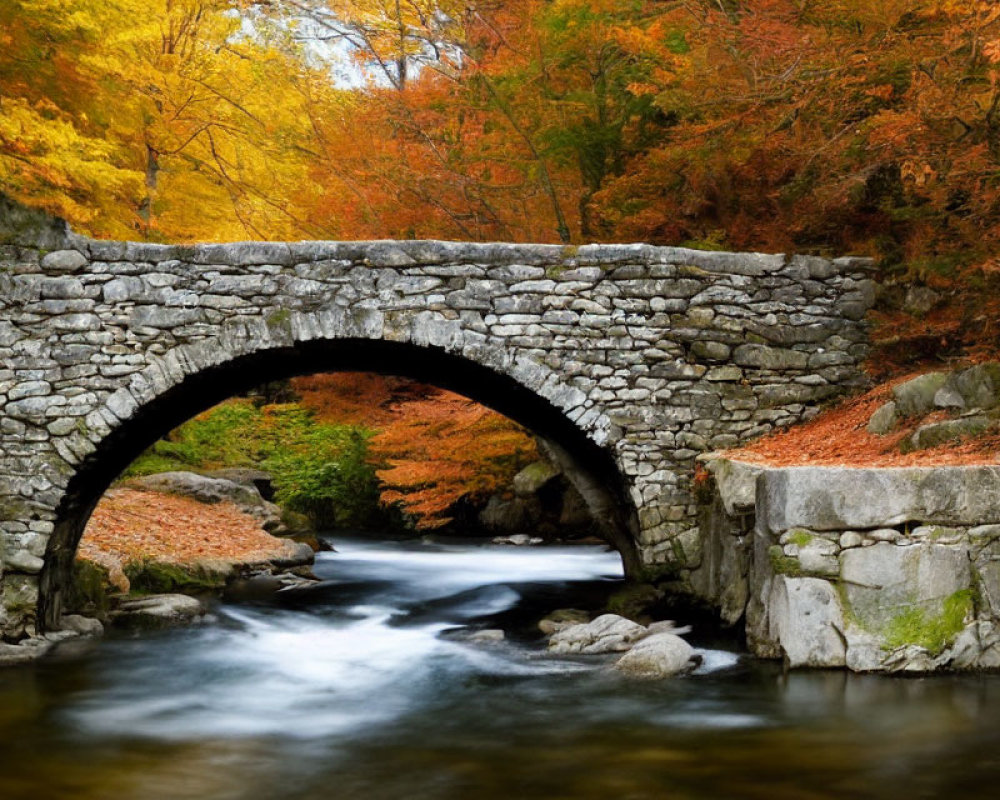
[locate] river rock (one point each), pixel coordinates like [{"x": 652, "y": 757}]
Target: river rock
[
  {"x": 666, "y": 626},
  {"x": 295, "y": 554},
  {"x": 658, "y": 656},
  {"x": 23, "y": 652},
  {"x": 609, "y": 633},
  {"x": 159, "y": 610},
  {"x": 84, "y": 626},
  {"x": 518, "y": 540},
  {"x": 562, "y": 618}
]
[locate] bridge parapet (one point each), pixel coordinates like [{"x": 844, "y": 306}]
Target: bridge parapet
[{"x": 647, "y": 356}]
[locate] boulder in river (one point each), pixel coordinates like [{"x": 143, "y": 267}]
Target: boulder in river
[
  {"x": 159, "y": 610},
  {"x": 658, "y": 656},
  {"x": 609, "y": 633},
  {"x": 83, "y": 626}
]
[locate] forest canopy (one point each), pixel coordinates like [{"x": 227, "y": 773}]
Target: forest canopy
[{"x": 863, "y": 126}]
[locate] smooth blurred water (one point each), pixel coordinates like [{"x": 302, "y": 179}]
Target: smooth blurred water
[{"x": 363, "y": 687}]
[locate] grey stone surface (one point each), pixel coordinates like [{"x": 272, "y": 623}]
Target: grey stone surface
[
  {"x": 658, "y": 656},
  {"x": 935, "y": 433},
  {"x": 158, "y": 610},
  {"x": 922, "y": 596},
  {"x": 737, "y": 482},
  {"x": 979, "y": 386},
  {"x": 805, "y": 620},
  {"x": 609, "y": 633},
  {"x": 884, "y": 581},
  {"x": 915, "y": 397},
  {"x": 842, "y": 498},
  {"x": 884, "y": 419}
]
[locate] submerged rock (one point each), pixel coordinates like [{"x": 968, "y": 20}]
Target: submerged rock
[
  {"x": 609, "y": 633},
  {"x": 518, "y": 539},
  {"x": 488, "y": 636},
  {"x": 658, "y": 656}
]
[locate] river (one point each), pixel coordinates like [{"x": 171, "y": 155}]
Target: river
[{"x": 363, "y": 688}]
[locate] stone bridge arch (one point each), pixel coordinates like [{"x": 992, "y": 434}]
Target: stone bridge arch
[
  {"x": 191, "y": 378},
  {"x": 631, "y": 359}
]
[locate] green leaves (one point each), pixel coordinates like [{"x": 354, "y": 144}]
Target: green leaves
[{"x": 320, "y": 470}]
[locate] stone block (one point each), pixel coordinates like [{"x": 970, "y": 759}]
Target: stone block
[
  {"x": 843, "y": 498},
  {"x": 804, "y": 619},
  {"x": 890, "y": 590}
]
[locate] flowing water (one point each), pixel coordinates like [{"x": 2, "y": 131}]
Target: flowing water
[{"x": 363, "y": 687}]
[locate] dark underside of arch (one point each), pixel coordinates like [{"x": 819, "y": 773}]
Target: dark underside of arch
[{"x": 590, "y": 467}]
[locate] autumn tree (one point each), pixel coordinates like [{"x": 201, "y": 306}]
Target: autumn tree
[{"x": 433, "y": 448}]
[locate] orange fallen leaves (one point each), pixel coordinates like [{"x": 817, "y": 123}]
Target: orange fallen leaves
[
  {"x": 840, "y": 437},
  {"x": 130, "y": 525}
]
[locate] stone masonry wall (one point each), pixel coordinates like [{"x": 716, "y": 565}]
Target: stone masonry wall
[
  {"x": 876, "y": 570},
  {"x": 655, "y": 354}
]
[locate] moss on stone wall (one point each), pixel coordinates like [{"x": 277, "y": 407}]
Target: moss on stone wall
[
  {"x": 933, "y": 632},
  {"x": 784, "y": 565}
]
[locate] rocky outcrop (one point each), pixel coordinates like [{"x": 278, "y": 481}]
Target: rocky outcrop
[{"x": 543, "y": 503}]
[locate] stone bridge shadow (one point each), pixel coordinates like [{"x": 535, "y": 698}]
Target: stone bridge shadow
[{"x": 588, "y": 466}]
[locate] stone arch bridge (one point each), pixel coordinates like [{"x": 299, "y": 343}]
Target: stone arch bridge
[{"x": 628, "y": 360}]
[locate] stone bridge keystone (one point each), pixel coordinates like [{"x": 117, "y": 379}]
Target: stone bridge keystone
[{"x": 627, "y": 360}]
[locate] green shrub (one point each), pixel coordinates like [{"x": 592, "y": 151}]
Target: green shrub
[{"x": 318, "y": 469}]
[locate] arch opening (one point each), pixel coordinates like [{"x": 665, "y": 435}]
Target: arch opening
[{"x": 590, "y": 468}]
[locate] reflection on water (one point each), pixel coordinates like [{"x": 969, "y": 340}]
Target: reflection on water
[{"x": 359, "y": 688}]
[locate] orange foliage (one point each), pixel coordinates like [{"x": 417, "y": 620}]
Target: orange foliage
[
  {"x": 130, "y": 525},
  {"x": 434, "y": 447},
  {"x": 839, "y": 436}
]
